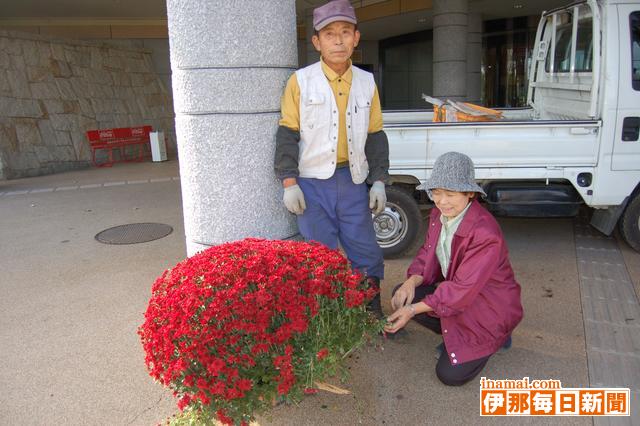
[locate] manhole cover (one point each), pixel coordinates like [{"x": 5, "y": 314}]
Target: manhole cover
[{"x": 134, "y": 233}]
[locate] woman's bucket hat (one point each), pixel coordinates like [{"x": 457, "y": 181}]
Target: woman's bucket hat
[{"x": 452, "y": 171}]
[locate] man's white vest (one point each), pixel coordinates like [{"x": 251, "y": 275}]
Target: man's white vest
[{"x": 319, "y": 123}]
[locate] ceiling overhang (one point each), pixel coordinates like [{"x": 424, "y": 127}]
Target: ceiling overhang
[{"x": 378, "y": 19}]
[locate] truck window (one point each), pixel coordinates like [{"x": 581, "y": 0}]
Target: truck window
[
  {"x": 562, "y": 56},
  {"x": 563, "y": 48},
  {"x": 634, "y": 24},
  {"x": 564, "y": 39},
  {"x": 584, "y": 45}
]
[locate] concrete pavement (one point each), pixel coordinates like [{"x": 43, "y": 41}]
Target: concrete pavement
[{"x": 70, "y": 306}]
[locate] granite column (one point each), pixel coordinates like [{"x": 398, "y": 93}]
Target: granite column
[
  {"x": 450, "y": 49},
  {"x": 230, "y": 61}
]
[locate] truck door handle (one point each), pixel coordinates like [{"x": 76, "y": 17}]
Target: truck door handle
[
  {"x": 630, "y": 129},
  {"x": 580, "y": 131}
]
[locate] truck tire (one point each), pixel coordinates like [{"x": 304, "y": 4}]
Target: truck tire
[
  {"x": 400, "y": 227},
  {"x": 629, "y": 223}
]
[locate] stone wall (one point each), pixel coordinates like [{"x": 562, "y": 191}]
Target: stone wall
[{"x": 53, "y": 91}]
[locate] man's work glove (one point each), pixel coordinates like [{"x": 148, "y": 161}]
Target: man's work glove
[
  {"x": 294, "y": 199},
  {"x": 377, "y": 197}
]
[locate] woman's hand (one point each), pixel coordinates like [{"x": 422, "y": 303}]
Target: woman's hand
[
  {"x": 405, "y": 294},
  {"x": 399, "y": 318}
]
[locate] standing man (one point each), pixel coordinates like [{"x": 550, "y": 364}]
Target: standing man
[{"x": 330, "y": 144}]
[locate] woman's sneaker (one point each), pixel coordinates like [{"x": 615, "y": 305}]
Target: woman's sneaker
[
  {"x": 439, "y": 350},
  {"x": 506, "y": 345}
]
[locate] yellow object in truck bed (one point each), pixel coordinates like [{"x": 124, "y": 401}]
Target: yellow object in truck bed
[{"x": 463, "y": 111}]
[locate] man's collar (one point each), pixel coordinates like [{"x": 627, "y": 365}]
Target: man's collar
[{"x": 332, "y": 75}]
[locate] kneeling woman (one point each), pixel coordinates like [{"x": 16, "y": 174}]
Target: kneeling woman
[{"x": 460, "y": 284}]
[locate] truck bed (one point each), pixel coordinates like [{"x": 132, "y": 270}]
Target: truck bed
[{"x": 514, "y": 148}]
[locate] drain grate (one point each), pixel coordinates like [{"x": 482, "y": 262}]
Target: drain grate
[{"x": 134, "y": 233}]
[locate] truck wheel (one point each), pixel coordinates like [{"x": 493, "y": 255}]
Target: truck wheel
[
  {"x": 629, "y": 223},
  {"x": 400, "y": 227}
]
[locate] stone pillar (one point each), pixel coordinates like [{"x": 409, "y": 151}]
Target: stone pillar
[
  {"x": 2, "y": 165},
  {"x": 450, "y": 49},
  {"x": 474, "y": 57},
  {"x": 230, "y": 61}
]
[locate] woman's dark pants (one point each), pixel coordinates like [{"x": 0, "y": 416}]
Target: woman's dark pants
[{"x": 449, "y": 374}]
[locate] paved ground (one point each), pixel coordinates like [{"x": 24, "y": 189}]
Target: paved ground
[{"x": 70, "y": 306}]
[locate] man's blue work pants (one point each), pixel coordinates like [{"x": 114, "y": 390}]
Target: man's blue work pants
[{"x": 338, "y": 209}]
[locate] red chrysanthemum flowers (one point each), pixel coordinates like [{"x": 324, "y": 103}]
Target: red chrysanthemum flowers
[{"x": 239, "y": 324}]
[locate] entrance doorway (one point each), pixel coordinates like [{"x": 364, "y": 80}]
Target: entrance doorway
[{"x": 507, "y": 48}]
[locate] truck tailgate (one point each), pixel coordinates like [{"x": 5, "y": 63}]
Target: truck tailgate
[{"x": 505, "y": 144}]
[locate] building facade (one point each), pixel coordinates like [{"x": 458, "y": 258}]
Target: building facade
[{"x": 210, "y": 74}]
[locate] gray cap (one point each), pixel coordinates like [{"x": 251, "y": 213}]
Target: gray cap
[
  {"x": 452, "y": 171},
  {"x": 336, "y": 10}
]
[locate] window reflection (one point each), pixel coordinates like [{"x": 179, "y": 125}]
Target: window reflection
[{"x": 635, "y": 49}]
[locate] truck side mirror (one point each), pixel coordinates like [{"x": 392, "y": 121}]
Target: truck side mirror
[{"x": 542, "y": 50}]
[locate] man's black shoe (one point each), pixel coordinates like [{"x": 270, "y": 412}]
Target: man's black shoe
[{"x": 375, "y": 307}]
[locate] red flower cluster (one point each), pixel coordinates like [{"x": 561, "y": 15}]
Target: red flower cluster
[
  {"x": 322, "y": 353},
  {"x": 223, "y": 325}
]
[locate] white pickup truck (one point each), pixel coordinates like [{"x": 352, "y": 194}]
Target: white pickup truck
[{"x": 577, "y": 143}]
